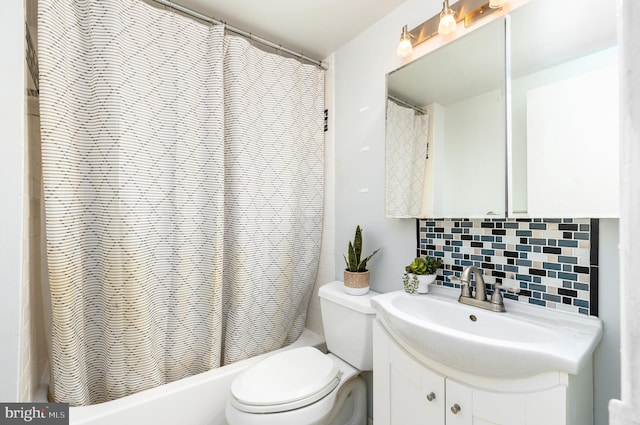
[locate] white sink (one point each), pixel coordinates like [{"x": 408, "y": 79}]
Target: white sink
[{"x": 524, "y": 341}]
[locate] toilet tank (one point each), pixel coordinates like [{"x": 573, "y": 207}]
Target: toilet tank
[{"x": 348, "y": 321}]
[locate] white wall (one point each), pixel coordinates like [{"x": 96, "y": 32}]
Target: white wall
[
  {"x": 626, "y": 411},
  {"x": 12, "y": 150},
  {"x": 360, "y": 87}
]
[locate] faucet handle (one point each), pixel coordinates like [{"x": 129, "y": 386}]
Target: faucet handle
[
  {"x": 496, "y": 298},
  {"x": 465, "y": 287},
  {"x": 507, "y": 288}
]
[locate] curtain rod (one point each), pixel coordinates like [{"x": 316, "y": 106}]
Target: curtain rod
[
  {"x": 241, "y": 32},
  {"x": 407, "y": 104}
]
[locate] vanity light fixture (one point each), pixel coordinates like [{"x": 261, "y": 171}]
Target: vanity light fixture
[
  {"x": 404, "y": 47},
  {"x": 447, "y": 23}
]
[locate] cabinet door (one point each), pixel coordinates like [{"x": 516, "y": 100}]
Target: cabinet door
[
  {"x": 416, "y": 394},
  {"x": 459, "y": 404},
  {"x": 481, "y": 407},
  {"x": 572, "y": 146}
]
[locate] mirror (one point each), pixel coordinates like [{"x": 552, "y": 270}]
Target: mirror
[
  {"x": 445, "y": 130},
  {"x": 564, "y": 109}
]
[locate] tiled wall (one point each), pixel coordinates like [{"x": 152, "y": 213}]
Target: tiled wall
[{"x": 554, "y": 262}]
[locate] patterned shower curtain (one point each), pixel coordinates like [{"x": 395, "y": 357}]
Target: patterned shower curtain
[
  {"x": 183, "y": 196},
  {"x": 407, "y": 139}
]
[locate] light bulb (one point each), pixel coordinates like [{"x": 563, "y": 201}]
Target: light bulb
[
  {"x": 496, "y": 4},
  {"x": 404, "y": 47},
  {"x": 447, "y": 22}
]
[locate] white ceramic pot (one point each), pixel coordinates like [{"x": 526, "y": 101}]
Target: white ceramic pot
[{"x": 423, "y": 282}]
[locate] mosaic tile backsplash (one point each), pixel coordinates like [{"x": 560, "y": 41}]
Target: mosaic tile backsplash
[{"x": 554, "y": 262}]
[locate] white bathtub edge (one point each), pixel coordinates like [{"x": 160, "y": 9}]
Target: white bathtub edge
[{"x": 101, "y": 413}]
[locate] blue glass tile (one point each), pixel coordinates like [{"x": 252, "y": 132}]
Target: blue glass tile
[
  {"x": 526, "y": 233},
  {"x": 581, "y": 236},
  {"x": 567, "y": 276},
  {"x": 566, "y": 284},
  {"x": 524, "y": 277},
  {"x": 537, "y": 279},
  {"x": 524, "y": 263},
  {"x": 538, "y": 226},
  {"x": 498, "y": 238},
  {"x": 477, "y": 258},
  {"x": 568, "y": 243},
  {"x": 537, "y": 295},
  {"x": 536, "y": 287},
  {"x": 537, "y": 302},
  {"x": 456, "y": 243},
  {"x": 552, "y": 242},
  {"x": 580, "y": 286},
  {"x": 580, "y": 303},
  {"x": 498, "y": 245},
  {"x": 456, "y": 230},
  {"x": 457, "y": 255},
  {"x": 583, "y": 311},
  {"x": 567, "y": 268},
  {"x": 523, "y": 285},
  {"x": 510, "y": 296},
  {"x": 438, "y": 254},
  {"x": 488, "y": 252},
  {"x": 566, "y": 259},
  {"x": 448, "y": 249},
  {"x": 487, "y": 238},
  {"x": 512, "y": 269},
  {"x": 551, "y": 266},
  {"x": 552, "y": 298},
  {"x": 523, "y": 248},
  {"x": 552, "y": 274},
  {"x": 466, "y": 263},
  {"x": 537, "y": 241}
]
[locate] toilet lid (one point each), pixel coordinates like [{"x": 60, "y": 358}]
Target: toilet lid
[{"x": 285, "y": 381}]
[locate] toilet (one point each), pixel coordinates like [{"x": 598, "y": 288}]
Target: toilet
[{"x": 304, "y": 386}]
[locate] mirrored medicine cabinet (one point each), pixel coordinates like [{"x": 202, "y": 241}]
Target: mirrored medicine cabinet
[{"x": 476, "y": 130}]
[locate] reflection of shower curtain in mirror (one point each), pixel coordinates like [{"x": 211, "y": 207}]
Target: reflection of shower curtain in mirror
[
  {"x": 183, "y": 173},
  {"x": 406, "y": 160}
]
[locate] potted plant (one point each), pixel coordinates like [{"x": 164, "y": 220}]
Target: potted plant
[
  {"x": 420, "y": 273},
  {"x": 356, "y": 275}
]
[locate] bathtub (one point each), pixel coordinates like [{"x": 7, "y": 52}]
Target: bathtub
[{"x": 196, "y": 400}]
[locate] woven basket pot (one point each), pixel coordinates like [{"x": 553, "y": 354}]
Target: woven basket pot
[{"x": 356, "y": 283}]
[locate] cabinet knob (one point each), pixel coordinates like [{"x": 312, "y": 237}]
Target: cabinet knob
[
  {"x": 455, "y": 409},
  {"x": 431, "y": 396}
]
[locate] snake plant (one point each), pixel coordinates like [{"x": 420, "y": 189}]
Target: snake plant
[{"x": 354, "y": 261}]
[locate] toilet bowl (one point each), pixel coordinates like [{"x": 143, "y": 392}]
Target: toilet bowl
[{"x": 305, "y": 386}]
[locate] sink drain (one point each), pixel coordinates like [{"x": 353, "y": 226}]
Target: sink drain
[{"x": 473, "y": 317}]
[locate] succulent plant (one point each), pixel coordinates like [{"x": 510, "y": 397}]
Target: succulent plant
[
  {"x": 420, "y": 266},
  {"x": 355, "y": 262}
]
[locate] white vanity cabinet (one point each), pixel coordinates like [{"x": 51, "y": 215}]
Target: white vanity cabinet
[{"x": 406, "y": 391}]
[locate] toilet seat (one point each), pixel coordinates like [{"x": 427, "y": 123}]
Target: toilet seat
[{"x": 285, "y": 381}]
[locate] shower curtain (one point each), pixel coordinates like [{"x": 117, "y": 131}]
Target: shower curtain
[
  {"x": 407, "y": 139},
  {"x": 183, "y": 175}
]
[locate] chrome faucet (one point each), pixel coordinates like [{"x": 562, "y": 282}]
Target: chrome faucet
[{"x": 480, "y": 298}]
